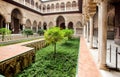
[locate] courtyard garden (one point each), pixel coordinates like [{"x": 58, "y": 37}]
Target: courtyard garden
[
  {"x": 63, "y": 65},
  {"x": 58, "y": 59}
]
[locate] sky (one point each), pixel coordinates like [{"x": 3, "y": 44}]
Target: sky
[{"x": 44, "y": 0}]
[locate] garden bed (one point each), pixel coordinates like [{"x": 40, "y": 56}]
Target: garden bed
[{"x": 63, "y": 65}]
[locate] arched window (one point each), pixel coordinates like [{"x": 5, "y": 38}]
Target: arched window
[
  {"x": 62, "y": 6},
  {"x": 68, "y": 5},
  {"x": 36, "y": 5},
  {"x": 52, "y": 7},
  {"x": 57, "y": 6},
  {"x": 27, "y": 2},
  {"x": 74, "y": 4},
  {"x": 44, "y": 8},
  {"x": 32, "y": 2},
  {"x": 48, "y": 8}
]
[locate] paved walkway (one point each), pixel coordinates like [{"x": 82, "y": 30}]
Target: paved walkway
[
  {"x": 10, "y": 51},
  {"x": 86, "y": 64}
]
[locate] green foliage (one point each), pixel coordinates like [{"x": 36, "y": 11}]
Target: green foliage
[
  {"x": 67, "y": 33},
  {"x": 27, "y": 32},
  {"x": 53, "y": 35},
  {"x": 40, "y": 32},
  {"x": 63, "y": 66},
  {"x": 3, "y": 32}
]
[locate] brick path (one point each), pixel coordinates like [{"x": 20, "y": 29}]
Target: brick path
[{"x": 86, "y": 64}]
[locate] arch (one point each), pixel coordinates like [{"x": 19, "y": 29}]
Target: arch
[
  {"x": 52, "y": 7},
  {"x": 74, "y": 4},
  {"x": 32, "y": 2},
  {"x": 68, "y": 5},
  {"x": 60, "y": 21},
  {"x": 16, "y": 21},
  {"x": 34, "y": 28},
  {"x": 70, "y": 25},
  {"x": 28, "y": 24},
  {"x": 50, "y": 24},
  {"x": 39, "y": 25},
  {"x": 45, "y": 26},
  {"x": 48, "y": 8},
  {"x": 79, "y": 28},
  {"x": 36, "y": 5},
  {"x": 44, "y": 8},
  {"x": 57, "y": 6},
  {"x": 28, "y": 1},
  {"x": 40, "y": 7},
  {"x": 62, "y": 6},
  {"x": 2, "y": 22}
]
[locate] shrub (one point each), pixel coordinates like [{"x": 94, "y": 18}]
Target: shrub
[
  {"x": 40, "y": 32},
  {"x": 27, "y": 32},
  {"x": 3, "y": 32},
  {"x": 67, "y": 33}
]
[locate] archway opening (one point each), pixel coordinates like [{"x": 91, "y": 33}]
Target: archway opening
[
  {"x": 45, "y": 26},
  {"x": 34, "y": 26},
  {"x": 68, "y": 5},
  {"x": 70, "y": 25},
  {"x": 50, "y": 24},
  {"x": 28, "y": 24},
  {"x": 61, "y": 22},
  {"x": 2, "y": 22},
  {"x": 79, "y": 28},
  {"x": 16, "y": 19},
  {"x": 39, "y": 25}
]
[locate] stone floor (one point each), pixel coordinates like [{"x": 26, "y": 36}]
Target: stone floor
[
  {"x": 111, "y": 63},
  {"x": 106, "y": 73},
  {"x": 86, "y": 65}
]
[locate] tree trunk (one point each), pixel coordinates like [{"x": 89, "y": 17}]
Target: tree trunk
[{"x": 54, "y": 50}]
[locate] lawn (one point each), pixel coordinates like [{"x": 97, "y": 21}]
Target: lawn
[{"x": 63, "y": 65}]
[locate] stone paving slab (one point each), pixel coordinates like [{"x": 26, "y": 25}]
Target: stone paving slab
[{"x": 86, "y": 64}]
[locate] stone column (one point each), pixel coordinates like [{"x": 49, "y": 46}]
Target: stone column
[
  {"x": 31, "y": 27},
  {"x": 75, "y": 31},
  {"x": 24, "y": 2},
  {"x": 23, "y": 27},
  {"x": 87, "y": 32},
  {"x": 84, "y": 31},
  {"x": 30, "y": 3},
  {"x": 65, "y": 8},
  {"x": 37, "y": 29},
  {"x": 8, "y": 25},
  {"x": 91, "y": 32},
  {"x": 102, "y": 35}
]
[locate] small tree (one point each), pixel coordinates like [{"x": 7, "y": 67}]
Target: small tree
[
  {"x": 52, "y": 36},
  {"x": 68, "y": 33},
  {"x": 40, "y": 32},
  {"x": 27, "y": 32},
  {"x": 3, "y": 32}
]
